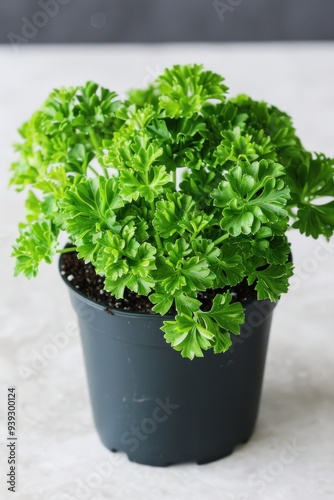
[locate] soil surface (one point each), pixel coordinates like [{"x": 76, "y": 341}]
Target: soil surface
[{"x": 84, "y": 278}]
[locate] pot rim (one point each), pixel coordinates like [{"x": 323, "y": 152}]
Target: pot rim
[{"x": 246, "y": 303}]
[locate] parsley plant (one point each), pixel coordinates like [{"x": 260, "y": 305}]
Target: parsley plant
[{"x": 173, "y": 191}]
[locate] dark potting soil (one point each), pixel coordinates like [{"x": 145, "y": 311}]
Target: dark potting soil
[{"x": 84, "y": 278}]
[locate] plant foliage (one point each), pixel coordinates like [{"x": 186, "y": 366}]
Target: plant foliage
[{"x": 169, "y": 193}]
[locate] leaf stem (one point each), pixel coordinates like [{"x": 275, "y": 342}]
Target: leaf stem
[
  {"x": 156, "y": 234},
  {"x": 93, "y": 170},
  {"x": 222, "y": 238},
  {"x": 67, "y": 250},
  {"x": 93, "y": 139},
  {"x": 158, "y": 241},
  {"x": 174, "y": 178}
]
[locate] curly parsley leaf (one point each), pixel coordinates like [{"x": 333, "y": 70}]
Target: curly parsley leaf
[
  {"x": 37, "y": 242},
  {"x": 171, "y": 212},
  {"x": 174, "y": 191},
  {"x": 194, "y": 331},
  {"x": 272, "y": 282},
  {"x": 185, "y": 89},
  {"x": 250, "y": 196},
  {"x": 136, "y": 275},
  {"x": 148, "y": 185}
]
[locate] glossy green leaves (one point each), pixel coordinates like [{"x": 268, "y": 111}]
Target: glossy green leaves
[
  {"x": 181, "y": 271},
  {"x": 175, "y": 193},
  {"x": 272, "y": 281},
  {"x": 178, "y": 214},
  {"x": 195, "y": 331},
  {"x": 250, "y": 196},
  {"x": 36, "y": 243},
  {"x": 148, "y": 185},
  {"x": 312, "y": 187},
  {"x": 67, "y": 131},
  {"x": 185, "y": 89},
  {"x": 107, "y": 236}
]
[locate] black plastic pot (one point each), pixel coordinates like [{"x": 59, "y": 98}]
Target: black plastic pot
[{"x": 158, "y": 407}]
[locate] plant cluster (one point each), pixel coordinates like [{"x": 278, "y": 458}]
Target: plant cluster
[{"x": 170, "y": 192}]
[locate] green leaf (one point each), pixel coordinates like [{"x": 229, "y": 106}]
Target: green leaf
[
  {"x": 138, "y": 153},
  {"x": 194, "y": 331},
  {"x": 145, "y": 153},
  {"x": 197, "y": 274},
  {"x": 89, "y": 207},
  {"x": 186, "y": 304},
  {"x": 171, "y": 212},
  {"x": 231, "y": 269},
  {"x": 36, "y": 243},
  {"x": 222, "y": 342},
  {"x": 272, "y": 281},
  {"x": 134, "y": 273},
  {"x": 252, "y": 195},
  {"x": 206, "y": 248},
  {"x": 196, "y": 222},
  {"x": 162, "y": 302},
  {"x": 148, "y": 185},
  {"x": 177, "y": 273},
  {"x": 117, "y": 287},
  {"x": 314, "y": 220},
  {"x": 185, "y": 89},
  {"x": 228, "y": 316},
  {"x": 234, "y": 145},
  {"x": 199, "y": 184},
  {"x": 275, "y": 249},
  {"x": 184, "y": 336}
]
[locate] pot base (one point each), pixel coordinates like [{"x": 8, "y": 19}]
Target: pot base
[
  {"x": 202, "y": 461},
  {"x": 166, "y": 463}
]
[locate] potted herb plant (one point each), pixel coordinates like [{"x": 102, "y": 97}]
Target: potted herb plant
[{"x": 176, "y": 203}]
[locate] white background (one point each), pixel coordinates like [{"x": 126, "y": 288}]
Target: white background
[{"x": 60, "y": 456}]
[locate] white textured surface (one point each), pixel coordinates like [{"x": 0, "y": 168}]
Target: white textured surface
[{"x": 59, "y": 451}]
